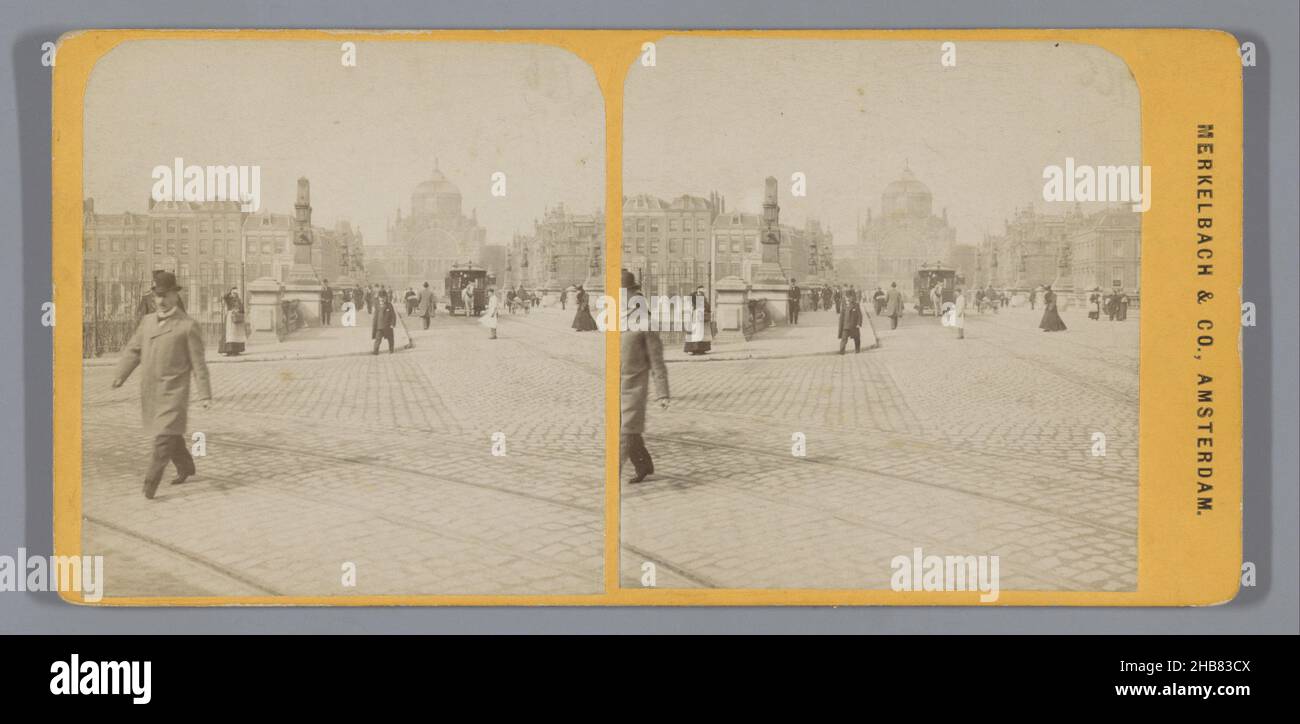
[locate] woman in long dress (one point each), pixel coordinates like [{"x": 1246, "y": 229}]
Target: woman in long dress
[
  {"x": 232, "y": 332},
  {"x": 698, "y": 338},
  {"x": 582, "y": 319},
  {"x": 1051, "y": 318},
  {"x": 489, "y": 318}
]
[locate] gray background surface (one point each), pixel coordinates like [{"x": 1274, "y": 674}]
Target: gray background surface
[{"x": 1270, "y": 349}]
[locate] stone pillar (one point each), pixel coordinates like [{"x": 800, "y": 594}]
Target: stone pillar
[
  {"x": 732, "y": 295},
  {"x": 264, "y": 310},
  {"x": 304, "y": 285}
]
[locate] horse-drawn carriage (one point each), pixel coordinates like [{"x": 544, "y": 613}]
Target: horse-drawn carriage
[
  {"x": 923, "y": 284},
  {"x": 461, "y": 277}
]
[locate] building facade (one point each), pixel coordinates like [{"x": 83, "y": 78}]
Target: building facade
[
  {"x": 668, "y": 244},
  {"x": 907, "y": 233},
  {"x": 1106, "y": 252},
  {"x": 210, "y": 246},
  {"x": 424, "y": 244}
]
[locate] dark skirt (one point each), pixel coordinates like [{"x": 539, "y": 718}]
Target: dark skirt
[
  {"x": 583, "y": 321},
  {"x": 1051, "y": 321},
  {"x": 698, "y": 347}
]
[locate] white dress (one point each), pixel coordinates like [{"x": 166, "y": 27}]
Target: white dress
[{"x": 489, "y": 318}]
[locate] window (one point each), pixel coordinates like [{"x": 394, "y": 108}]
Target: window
[
  {"x": 203, "y": 227},
  {"x": 686, "y": 223},
  {"x": 139, "y": 245},
  {"x": 640, "y": 245},
  {"x": 266, "y": 246},
  {"x": 654, "y": 246},
  {"x": 157, "y": 247},
  {"x": 185, "y": 247},
  {"x": 171, "y": 247},
  {"x": 203, "y": 247},
  {"x": 627, "y": 224},
  {"x": 171, "y": 227},
  {"x": 672, "y": 224},
  {"x": 654, "y": 226},
  {"x": 279, "y": 245},
  {"x": 185, "y": 227},
  {"x": 673, "y": 246},
  {"x": 184, "y": 272},
  {"x": 640, "y": 224},
  {"x": 1117, "y": 276},
  {"x": 735, "y": 245},
  {"x": 1119, "y": 247}
]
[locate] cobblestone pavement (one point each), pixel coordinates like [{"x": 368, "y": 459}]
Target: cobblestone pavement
[
  {"x": 380, "y": 461},
  {"x": 959, "y": 447}
]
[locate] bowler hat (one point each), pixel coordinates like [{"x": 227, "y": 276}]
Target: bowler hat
[
  {"x": 629, "y": 280},
  {"x": 164, "y": 281}
]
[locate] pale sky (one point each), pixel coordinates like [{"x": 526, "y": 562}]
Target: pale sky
[
  {"x": 364, "y": 135},
  {"x": 723, "y": 114}
]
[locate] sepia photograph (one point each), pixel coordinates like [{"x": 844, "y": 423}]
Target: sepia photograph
[
  {"x": 336, "y": 298},
  {"x": 913, "y": 359}
]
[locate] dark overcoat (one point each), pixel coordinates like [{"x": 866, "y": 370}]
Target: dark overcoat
[{"x": 167, "y": 352}]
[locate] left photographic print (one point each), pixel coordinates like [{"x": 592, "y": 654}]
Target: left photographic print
[{"x": 332, "y": 307}]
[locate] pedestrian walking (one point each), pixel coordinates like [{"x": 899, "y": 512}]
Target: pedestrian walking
[
  {"x": 489, "y": 318},
  {"x": 381, "y": 325},
  {"x": 641, "y": 365},
  {"x": 959, "y": 314},
  {"x": 582, "y": 319},
  {"x": 850, "y": 325},
  {"x": 893, "y": 305},
  {"x": 233, "y": 335},
  {"x": 878, "y": 300},
  {"x": 1051, "y": 318},
  {"x": 326, "y": 303},
  {"x": 426, "y": 304},
  {"x": 794, "y": 302},
  {"x": 698, "y": 340},
  {"x": 1033, "y": 298},
  {"x": 168, "y": 347},
  {"x": 1122, "y": 303}
]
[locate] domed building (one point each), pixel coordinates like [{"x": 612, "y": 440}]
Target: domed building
[
  {"x": 423, "y": 244},
  {"x": 907, "y": 233}
]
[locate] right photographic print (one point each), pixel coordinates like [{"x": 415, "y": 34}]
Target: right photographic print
[{"x": 913, "y": 272}]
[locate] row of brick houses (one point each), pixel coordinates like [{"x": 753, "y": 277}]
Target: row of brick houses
[
  {"x": 210, "y": 246},
  {"x": 679, "y": 244}
]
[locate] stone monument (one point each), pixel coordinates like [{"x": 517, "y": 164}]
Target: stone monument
[
  {"x": 304, "y": 285},
  {"x": 770, "y": 281}
]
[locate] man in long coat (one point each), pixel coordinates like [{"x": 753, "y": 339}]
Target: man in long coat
[
  {"x": 168, "y": 348},
  {"x": 382, "y": 323},
  {"x": 641, "y": 364},
  {"x": 794, "y": 302},
  {"x": 893, "y": 305},
  {"x": 326, "y": 302},
  {"x": 850, "y": 324},
  {"x": 426, "y": 304}
]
